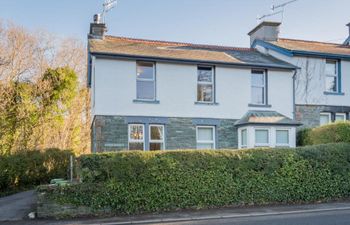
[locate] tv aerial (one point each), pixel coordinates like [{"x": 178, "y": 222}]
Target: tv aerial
[
  {"x": 275, "y": 10},
  {"x": 107, "y": 6}
]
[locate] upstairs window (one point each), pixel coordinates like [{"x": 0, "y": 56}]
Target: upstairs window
[
  {"x": 331, "y": 76},
  {"x": 258, "y": 87},
  {"x": 145, "y": 81},
  {"x": 205, "y": 84}
]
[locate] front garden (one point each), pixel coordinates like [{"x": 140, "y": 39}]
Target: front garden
[{"x": 139, "y": 182}]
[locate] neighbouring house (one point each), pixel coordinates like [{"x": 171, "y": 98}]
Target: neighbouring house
[
  {"x": 322, "y": 90},
  {"x": 152, "y": 95}
]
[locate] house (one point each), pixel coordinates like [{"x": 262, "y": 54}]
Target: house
[
  {"x": 322, "y": 90},
  {"x": 152, "y": 95}
]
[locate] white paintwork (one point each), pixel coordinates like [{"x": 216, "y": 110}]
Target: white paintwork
[
  {"x": 310, "y": 80},
  {"x": 272, "y": 136},
  {"x": 114, "y": 89}
]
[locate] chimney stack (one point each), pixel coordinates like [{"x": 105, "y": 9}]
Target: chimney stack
[
  {"x": 97, "y": 28},
  {"x": 266, "y": 31},
  {"x": 347, "y": 41}
]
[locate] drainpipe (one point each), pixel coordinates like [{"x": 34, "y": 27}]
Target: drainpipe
[{"x": 294, "y": 107}]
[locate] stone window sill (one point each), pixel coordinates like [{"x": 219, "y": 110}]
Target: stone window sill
[
  {"x": 333, "y": 93},
  {"x": 145, "y": 101},
  {"x": 259, "y": 106},
  {"x": 206, "y": 103}
]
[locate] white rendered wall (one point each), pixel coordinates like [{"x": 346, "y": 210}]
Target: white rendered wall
[
  {"x": 310, "y": 82},
  {"x": 114, "y": 88}
]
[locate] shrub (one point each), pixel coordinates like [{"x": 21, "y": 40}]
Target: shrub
[
  {"x": 136, "y": 182},
  {"x": 30, "y": 168},
  {"x": 330, "y": 133}
]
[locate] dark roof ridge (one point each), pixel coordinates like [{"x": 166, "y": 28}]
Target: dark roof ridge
[
  {"x": 222, "y": 47},
  {"x": 309, "y": 41}
]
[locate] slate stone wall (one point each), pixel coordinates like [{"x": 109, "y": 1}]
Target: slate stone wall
[
  {"x": 110, "y": 133},
  {"x": 309, "y": 115}
]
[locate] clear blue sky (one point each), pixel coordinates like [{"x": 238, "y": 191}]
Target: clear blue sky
[{"x": 224, "y": 22}]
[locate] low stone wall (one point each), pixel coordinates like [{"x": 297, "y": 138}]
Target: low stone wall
[{"x": 46, "y": 208}]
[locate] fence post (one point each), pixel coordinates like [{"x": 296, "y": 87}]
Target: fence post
[{"x": 71, "y": 167}]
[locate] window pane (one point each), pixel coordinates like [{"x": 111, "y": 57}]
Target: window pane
[
  {"x": 282, "y": 137},
  {"x": 244, "y": 137},
  {"x": 205, "y": 146},
  {"x": 145, "y": 90},
  {"x": 331, "y": 67},
  {"x": 258, "y": 79},
  {"x": 258, "y": 95},
  {"x": 331, "y": 84},
  {"x": 324, "y": 119},
  {"x": 157, "y": 132},
  {"x": 155, "y": 146},
  {"x": 136, "y": 132},
  {"x": 136, "y": 146},
  {"x": 261, "y": 136},
  {"x": 205, "y": 134},
  {"x": 205, "y": 92},
  {"x": 205, "y": 74},
  {"x": 145, "y": 70},
  {"x": 340, "y": 117}
]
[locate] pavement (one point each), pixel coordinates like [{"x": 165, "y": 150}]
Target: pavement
[
  {"x": 17, "y": 206},
  {"x": 14, "y": 208}
]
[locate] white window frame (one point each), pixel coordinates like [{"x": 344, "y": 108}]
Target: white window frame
[
  {"x": 336, "y": 75},
  {"x": 282, "y": 144},
  {"x": 206, "y": 142},
  {"x": 136, "y": 141},
  {"x": 329, "y": 117},
  {"x": 148, "y": 80},
  {"x": 339, "y": 114},
  {"x": 212, "y": 83},
  {"x": 241, "y": 138},
  {"x": 156, "y": 141},
  {"x": 268, "y": 144},
  {"x": 264, "y": 86}
]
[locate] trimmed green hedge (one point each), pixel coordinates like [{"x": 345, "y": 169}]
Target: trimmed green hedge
[
  {"x": 27, "y": 169},
  {"x": 330, "y": 133},
  {"x": 136, "y": 182}
]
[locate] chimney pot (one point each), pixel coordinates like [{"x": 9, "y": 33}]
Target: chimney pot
[
  {"x": 347, "y": 41},
  {"x": 97, "y": 28}
]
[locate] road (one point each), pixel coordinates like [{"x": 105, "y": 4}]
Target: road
[
  {"x": 17, "y": 206},
  {"x": 337, "y": 217},
  {"x": 341, "y": 217}
]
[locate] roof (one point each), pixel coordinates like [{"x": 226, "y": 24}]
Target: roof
[
  {"x": 300, "y": 46},
  {"x": 260, "y": 117},
  {"x": 131, "y": 47}
]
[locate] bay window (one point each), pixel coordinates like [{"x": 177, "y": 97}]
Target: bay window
[
  {"x": 282, "y": 137},
  {"x": 325, "y": 118},
  {"x": 262, "y": 137}
]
